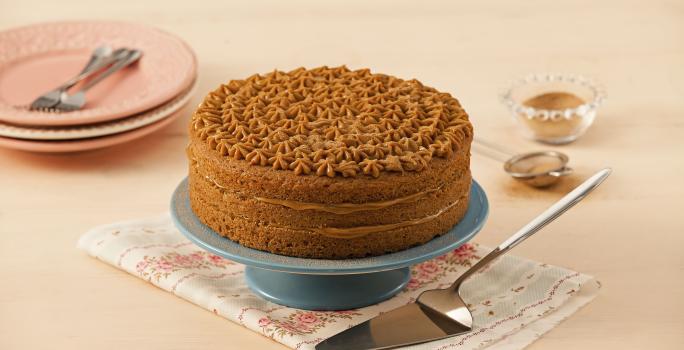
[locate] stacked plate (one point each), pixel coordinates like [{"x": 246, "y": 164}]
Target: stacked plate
[{"x": 127, "y": 105}]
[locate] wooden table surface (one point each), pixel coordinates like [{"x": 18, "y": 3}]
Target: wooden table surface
[{"x": 629, "y": 234}]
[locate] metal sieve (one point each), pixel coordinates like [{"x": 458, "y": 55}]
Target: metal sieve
[{"x": 537, "y": 169}]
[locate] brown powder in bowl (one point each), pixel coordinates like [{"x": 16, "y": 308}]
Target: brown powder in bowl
[
  {"x": 554, "y": 100},
  {"x": 552, "y": 129}
]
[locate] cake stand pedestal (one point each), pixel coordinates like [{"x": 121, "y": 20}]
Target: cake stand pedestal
[
  {"x": 326, "y": 292},
  {"x": 324, "y": 284}
]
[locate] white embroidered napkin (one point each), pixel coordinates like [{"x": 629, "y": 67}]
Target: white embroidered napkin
[{"x": 513, "y": 302}]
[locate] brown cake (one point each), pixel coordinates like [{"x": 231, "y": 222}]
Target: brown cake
[{"x": 329, "y": 162}]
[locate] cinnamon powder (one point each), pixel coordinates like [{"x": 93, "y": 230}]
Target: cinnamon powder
[{"x": 548, "y": 129}]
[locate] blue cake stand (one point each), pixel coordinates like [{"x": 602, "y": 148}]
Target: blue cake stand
[{"x": 322, "y": 284}]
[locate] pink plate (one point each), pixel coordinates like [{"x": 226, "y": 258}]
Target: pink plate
[
  {"x": 86, "y": 144},
  {"x": 37, "y": 58},
  {"x": 73, "y": 132}
]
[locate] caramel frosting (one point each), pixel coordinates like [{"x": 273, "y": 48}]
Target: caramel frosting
[{"x": 331, "y": 122}]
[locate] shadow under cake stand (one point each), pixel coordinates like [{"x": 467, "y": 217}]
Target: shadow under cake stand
[{"x": 324, "y": 284}]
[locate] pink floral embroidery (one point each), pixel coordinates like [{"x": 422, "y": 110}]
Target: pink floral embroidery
[
  {"x": 442, "y": 257},
  {"x": 302, "y": 322},
  {"x": 428, "y": 267},
  {"x": 433, "y": 270},
  {"x": 215, "y": 259},
  {"x": 307, "y": 317},
  {"x": 413, "y": 283},
  {"x": 466, "y": 252},
  {"x": 158, "y": 267},
  {"x": 264, "y": 322}
]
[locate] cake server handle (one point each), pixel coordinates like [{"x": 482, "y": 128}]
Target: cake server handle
[{"x": 550, "y": 214}]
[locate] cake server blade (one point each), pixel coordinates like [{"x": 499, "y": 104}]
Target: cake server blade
[{"x": 409, "y": 324}]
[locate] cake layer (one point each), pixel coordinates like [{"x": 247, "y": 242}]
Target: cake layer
[
  {"x": 309, "y": 244},
  {"x": 257, "y": 207}
]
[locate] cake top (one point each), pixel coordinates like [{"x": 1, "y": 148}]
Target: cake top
[{"x": 331, "y": 121}]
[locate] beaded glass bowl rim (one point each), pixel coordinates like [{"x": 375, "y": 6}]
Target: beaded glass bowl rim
[
  {"x": 190, "y": 226},
  {"x": 517, "y": 108}
]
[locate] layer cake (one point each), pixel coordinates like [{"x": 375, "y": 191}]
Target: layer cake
[{"x": 329, "y": 162}]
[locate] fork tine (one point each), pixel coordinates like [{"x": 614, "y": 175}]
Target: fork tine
[
  {"x": 64, "y": 108},
  {"x": 37, "y": 104},
  {"x": 49, "y": 110},
  {"x": 46, "y": 100}
]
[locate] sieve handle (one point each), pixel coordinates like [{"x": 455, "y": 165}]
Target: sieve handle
[{"x": 492, "y": 150}]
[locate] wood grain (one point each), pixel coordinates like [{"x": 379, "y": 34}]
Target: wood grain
[{"x": 628, "y": 234}]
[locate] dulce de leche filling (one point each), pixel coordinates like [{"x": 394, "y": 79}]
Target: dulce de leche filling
[
  {"x": 346, "y": 208},
  {"x": 359, "y": 231}
]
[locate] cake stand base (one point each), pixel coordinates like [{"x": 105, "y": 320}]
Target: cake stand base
[{"x": 326, "y": 292}]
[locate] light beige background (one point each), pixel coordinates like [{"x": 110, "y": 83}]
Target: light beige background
[{"x": 629, "y": 233}]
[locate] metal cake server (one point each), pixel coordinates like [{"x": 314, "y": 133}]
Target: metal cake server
[{"x": 442, "y": 313}]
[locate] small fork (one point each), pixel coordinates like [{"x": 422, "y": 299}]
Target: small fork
[
  {"x": 99, "y": 58},
  {"x": 77, "y": 100}
]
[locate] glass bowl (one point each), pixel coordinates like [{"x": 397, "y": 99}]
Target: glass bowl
[{"x": 553, "y": 108}]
